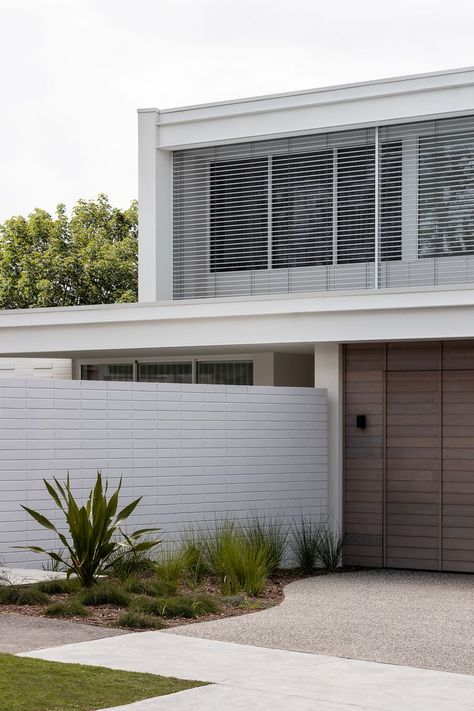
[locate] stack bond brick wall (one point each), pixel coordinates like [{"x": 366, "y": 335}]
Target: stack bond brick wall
[{"x": 195, "y": 453}]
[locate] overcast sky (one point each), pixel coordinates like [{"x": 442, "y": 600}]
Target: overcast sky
[{"x": 73, "y": 73}]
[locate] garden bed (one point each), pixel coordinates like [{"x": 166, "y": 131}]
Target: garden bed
[{"x": 108, "y": 615}]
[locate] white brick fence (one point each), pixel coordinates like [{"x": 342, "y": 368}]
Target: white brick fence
[{"x": 194, "y": 452}]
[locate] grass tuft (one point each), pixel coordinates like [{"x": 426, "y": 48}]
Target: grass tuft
[
  {"x": 131, "y": 563},
  {"x": 268, "y": 531},
  {"x": 139, "y": 621},
  {"x": 58, "y": 586},
  {"x": 171, "y": 568},
  {"x": 22, "y": 595},
  {"x": 70, "y": 608},
  {"x": 305, "y": 544},
  {"x": 188, "y": 606},
  {"x": 105, "y": 594},
  {"x": 330, "y": 546}
]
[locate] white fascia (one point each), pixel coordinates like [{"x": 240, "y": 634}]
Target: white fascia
[{"x": 379, "y": 102}]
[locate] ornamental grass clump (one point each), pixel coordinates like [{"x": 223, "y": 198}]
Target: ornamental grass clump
[
  {"x": 91, "y": 548},
  {"x": 305, "y": 544},
  {"x": 239, "y": 561},
  {"x": 265, "y": 530},
  {"x": 330, "y": 547},
  {"x": 171, "y": 569}
]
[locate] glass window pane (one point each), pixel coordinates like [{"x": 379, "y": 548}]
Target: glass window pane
[
  {"x": 113, "y": 371},
  {"x": 225, "y": 372},
  {"x": 238, "y": 215},
  {"x": 165, "y": 372}
]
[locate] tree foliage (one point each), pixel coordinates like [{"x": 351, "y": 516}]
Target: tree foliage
[{"x": 87, "y": 258}]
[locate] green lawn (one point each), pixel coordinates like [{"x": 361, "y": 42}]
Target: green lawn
[{"x": 36, "y": 685}]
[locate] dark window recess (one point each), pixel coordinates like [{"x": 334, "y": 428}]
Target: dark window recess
[
  {"x": 446, "y": 195},
  {"x": 238, "y": 215},
  {"x": 165, "y": 372},
  {"x": 107, "y": 372},
  {"x": 302, "y": 194},
  {"x": 225, "y": 373}
]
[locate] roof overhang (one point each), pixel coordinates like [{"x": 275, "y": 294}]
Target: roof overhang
[{"x": 254, "y": 323}]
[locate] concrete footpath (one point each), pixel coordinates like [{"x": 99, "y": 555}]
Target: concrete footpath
[{"x": 247, "y": 677}]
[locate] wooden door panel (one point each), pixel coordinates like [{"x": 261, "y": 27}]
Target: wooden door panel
[
  {"x": 458, "y": 464},
  {"x": 409, "y": 453}
]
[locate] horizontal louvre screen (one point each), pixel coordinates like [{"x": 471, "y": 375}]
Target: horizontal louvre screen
[
  {"x": 238, "y": 195},
  {"x": 301, "y": 218},
  {"x": 446, "y": 188},
  {"x": 362, "y": 209}
]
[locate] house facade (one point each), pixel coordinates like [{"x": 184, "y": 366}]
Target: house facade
[{"x": 323, "y": 239}]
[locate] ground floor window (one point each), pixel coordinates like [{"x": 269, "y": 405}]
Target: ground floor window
[
  {"x": 210, "y": 372},
  {"x": 114, "y": 371},
  {"x": 165, "y": 372},
  {"x": 224, "y": 373}
]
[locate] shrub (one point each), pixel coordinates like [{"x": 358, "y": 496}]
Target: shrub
[
  {"x": 71, "y": 608},
  {"x": 305, "y": 544},
  {"x": 58, "y": 586},
  {"x": 104, "y": 594},
  {"x": 270, "y": 532},
  {"x": 22, "y": 595},
  {"x": 92, "y": 527},
  {"x": 330, "y": 546},
  {"x": 139, "y": 621}
]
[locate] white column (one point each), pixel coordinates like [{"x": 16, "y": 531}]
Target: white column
[
  {"x": 155, "y": 220},
  {"x": 328, "y": 374}
]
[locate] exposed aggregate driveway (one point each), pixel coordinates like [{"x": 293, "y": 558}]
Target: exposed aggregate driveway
[{"x": 397, "y": 617}]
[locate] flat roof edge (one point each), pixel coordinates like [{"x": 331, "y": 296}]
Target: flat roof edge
[{"x": 317, "y": 90}]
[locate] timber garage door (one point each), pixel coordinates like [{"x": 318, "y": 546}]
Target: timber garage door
[{"x": 409, "y": 473}]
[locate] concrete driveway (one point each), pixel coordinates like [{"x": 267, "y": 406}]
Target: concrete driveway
[
  {"x": 406, "y": 618},
  {"x": 246, "y": 677}
]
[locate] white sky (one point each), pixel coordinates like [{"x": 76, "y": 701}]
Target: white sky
[{"x": 73, "y": 73}]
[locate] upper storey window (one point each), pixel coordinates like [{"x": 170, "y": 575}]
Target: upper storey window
[{"x": 369, "y": 208}]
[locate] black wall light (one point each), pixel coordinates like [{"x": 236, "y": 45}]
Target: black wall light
[{"x": 361, "y": 422}]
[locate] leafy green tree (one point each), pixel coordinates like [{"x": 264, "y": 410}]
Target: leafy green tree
[{"x": 88, "y": 258}]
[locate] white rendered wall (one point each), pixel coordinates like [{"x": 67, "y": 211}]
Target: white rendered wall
[
  {"x": 328, "y": 375},
  {"x": 35, "y": 367},
  {"x": 194, "y": 452}
]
